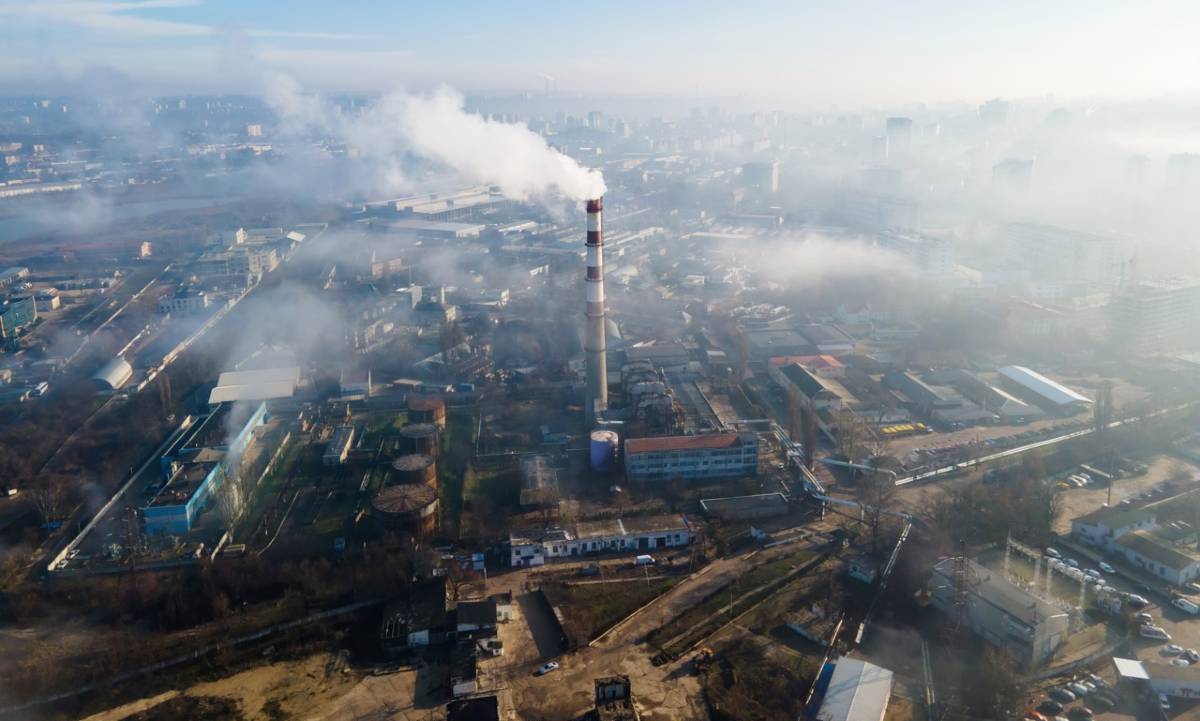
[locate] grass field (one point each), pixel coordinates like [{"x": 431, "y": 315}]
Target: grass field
[
  {"x": 589, "y": 610},
  {"x": 704, "y": 618}
]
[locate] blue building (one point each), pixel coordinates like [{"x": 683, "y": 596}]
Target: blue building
[
  {"x": 16, "y": 313},
  {"x": 197, "y": 466},
  {"x": 176, "y": 507}
]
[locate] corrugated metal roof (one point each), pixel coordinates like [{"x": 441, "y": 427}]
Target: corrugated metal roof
[
  {"x": 115, "y": 373},
  {"x": 252, "y": 392},
  {"x": 265, "y": 375},
  {"x": 1130, "y": 668},
  {"x": 1052, "y": 391},
  {"x": 858, "y": 691}
]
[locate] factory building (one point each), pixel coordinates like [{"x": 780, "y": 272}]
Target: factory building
[
  {"x": 435, "y": 229},
  {"x": 16, "y": 313},
  {"x": 857, "y": 691},
  {"x": 1001, "y": 613},
  {"x": 255, "y": 385},
  {"x": 1054, "y": 253},
  {"x": 823, "y": 391},
  {"x": 197, "y": 465},
  {"x": 1156, "y": 316},
  {"x": 640, "y": 534},
  {"x": 11, "y": 276},
  {"x": 1050, "y": 395},
  {"x": 767, "y": 343},
  {"x": 715, "y": 455},
  {"x": 185, "y": 300}
]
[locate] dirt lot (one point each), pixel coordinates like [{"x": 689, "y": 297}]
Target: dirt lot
[
  {"x": 670, "y": 691},
  {"x": 1079, "y": 501},
  {"x": 315, "y": 687}
]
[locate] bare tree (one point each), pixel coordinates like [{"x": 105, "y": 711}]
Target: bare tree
[
  {"x": 876, "y": 491},
  {"x": 51, "y": 496}
]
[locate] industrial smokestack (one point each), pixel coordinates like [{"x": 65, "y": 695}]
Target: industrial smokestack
[{"x": 597, "y": 363}]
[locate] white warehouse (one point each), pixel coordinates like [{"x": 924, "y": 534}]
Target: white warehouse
[{"x": 1048, "y": 394}]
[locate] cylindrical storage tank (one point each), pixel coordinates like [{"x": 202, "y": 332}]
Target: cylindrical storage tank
[
  {"x": 415, "y": 468},
  {"x": 603, "y": 450},
  {"x": 426, "y": 409},
  {"x": 409, "y": 508},
  {"x": 419, "y": 438}
]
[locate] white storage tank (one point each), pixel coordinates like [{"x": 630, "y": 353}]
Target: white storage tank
[{"x": 603, "y": 450}]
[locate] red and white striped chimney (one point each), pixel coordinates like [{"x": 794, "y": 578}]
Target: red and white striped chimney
[{"x": 594, "y": 344}]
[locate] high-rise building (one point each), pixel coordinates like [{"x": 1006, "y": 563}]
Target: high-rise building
[
  {"x": 899, "y": 137},
  {"x": 254, "y": 130},
  {"x": 994, "y": 112},
  {"x": 930, "y": 256},
  {"x": 1013, "y": 174},
  {"x": 762, "y": 175},
  {"x": 1054, "y": 253},
  {"x": 1159, "y": 315}
]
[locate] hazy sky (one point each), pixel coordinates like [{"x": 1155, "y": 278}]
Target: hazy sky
[{"x": 847, "y": 52}]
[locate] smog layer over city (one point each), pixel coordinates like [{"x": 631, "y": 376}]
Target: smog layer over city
[{"x": 760, "y": 361}]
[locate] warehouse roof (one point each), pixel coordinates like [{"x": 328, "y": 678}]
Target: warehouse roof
[
  {"x": 1143, "y": 544},
  {"x": 255, "y": 385},
  {"x": 114, "y": 373},
  {"x": 858, "y": 691},
  {"x": 1050, "y": 390},
  {"x": 1115, "y": 517},
  {"x": 682, "y": 443}
]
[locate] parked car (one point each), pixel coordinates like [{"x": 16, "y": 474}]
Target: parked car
[
  {"x": 547, "y": 668},
  {"x": 1078, "y": 689},
  {"x": 1172, "y": 650},
  {"x": 1163, "y": 702},
  {"x": 1154, "y": 632},
  {"x": 1105, "y": 568},
  {"x": 1053, "y": 553},
  {"x": 1062, "y": 694},
  {"x": 1092, "y": 573},
  {"x": 1136, "y": 601},
  {"x": 1079, "y": 713},
  {"x": 1192, "y": 587},
  {"x": 1144, "y": 617},
  {"x": 1192, "y": 655},
  {"x": 1185, "y": 605},
  {"x": 1180, "y": 662},
  {"x": 1071, "y": 562},
  {"x": 1051, "y": 708}
]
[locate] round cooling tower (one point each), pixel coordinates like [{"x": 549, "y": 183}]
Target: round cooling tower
[
  {"x": 427, "y": 409},
  {"x": 415, "y": 468},
  {"x": 419, "y": 438},
  {"x": 408, "y": 508}
]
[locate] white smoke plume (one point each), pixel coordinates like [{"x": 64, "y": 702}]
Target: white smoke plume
[{"x": 437, "y": 128}]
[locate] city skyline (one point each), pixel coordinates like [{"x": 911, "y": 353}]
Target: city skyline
[{"x": 773, "y": 51}]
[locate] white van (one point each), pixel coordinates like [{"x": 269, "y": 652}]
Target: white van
[{"x": 644, "y": 560}]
